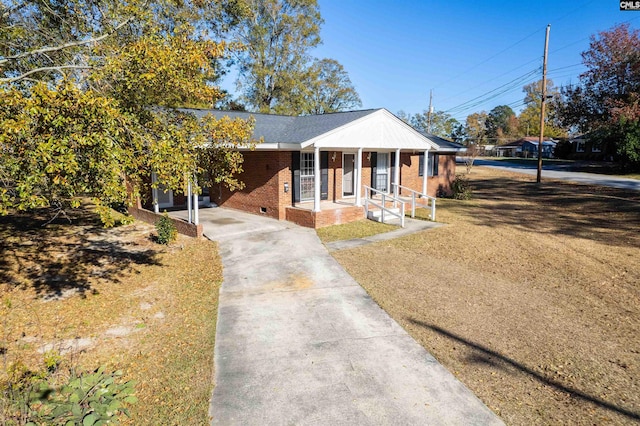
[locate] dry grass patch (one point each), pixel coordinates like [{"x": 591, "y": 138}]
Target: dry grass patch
[
  {"x": 349, "y": 231},
  {"x": 113, "y": 297},
  {"x": 531, "y": 298}
]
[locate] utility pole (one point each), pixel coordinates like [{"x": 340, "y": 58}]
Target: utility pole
[
  {"x": 542, "y": 103},
  {"x": 430, "y": 111}
]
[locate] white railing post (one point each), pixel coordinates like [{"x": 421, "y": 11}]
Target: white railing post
[
  {"x": 433, "y": 209},
  {"x": 402, "y": 215},
  {"x": 413, "y": 204}
]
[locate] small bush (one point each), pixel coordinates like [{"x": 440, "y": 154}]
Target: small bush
[
  {"x": 167, "y": 232},
  {"x": 461, "y": 188},
  {"x": 92, "y": 398}
]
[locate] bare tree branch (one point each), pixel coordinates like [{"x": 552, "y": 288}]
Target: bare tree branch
[
  {"x": 42, "y": 69},
  {"x": 63, "y": 46}
]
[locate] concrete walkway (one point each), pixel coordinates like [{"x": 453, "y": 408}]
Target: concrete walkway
[
  {"x": 299, "y": 342},
  {"x": 410, "y": 226},
  {"x": 551, "y": 171}
]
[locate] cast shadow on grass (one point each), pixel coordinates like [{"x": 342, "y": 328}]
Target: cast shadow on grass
[
  {"x": 606, "y": 215},
  {"x": 484, "y": 355},
  {"x": 64, "y": 258}
]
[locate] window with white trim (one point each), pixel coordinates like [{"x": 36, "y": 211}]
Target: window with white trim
[
  {"x": 580, "y": 146},
  {"x": 307, "y": 171}
]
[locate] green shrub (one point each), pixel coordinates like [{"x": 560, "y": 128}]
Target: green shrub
[
  {"x": 167, "y": 232},
  {"x": 461, "y": 188},
  {"x": 92, "y": 398}
]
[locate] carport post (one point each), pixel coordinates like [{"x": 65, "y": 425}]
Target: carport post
[
  {"x": 154, "y": 192},
  {"x": 195, "y": 202},
  {"x": 316, "y": 180},
  {"x": 189, "y": 199},
  {"x": 359, "y": 178},
  {"x": 425, "y": 172}
]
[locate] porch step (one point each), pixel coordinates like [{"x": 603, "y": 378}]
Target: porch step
[{"x": 388, "y": 218}]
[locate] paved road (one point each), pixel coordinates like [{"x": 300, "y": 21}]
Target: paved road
[
  {"x": 551, "y": 171},
  {"x": 300, "y": 342}
]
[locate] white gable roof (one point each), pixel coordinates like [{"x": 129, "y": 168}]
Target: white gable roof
[{"x": 379, "y": 130}]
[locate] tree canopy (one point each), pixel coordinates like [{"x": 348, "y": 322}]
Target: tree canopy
[
  {"x": 501, "y": 124},
  {"x": 88, "y": 102},
  {"x": 606, "y": 101},
  {"x": 529, "y": 118},
  {"x": 277, "y": 73}
]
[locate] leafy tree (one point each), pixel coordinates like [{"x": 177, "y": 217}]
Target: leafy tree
[
  {"x": 476, "y": 127},
  {"x": 442, "y": 124},
  {"x": 277, "y": 36},
  {"x": 529, "y": 119},
  {"x": 329, "y": 89},
  {"x": 404, "y": 116},
  {"x": 607, "y": 97},
  {"x": 459, "y": 134},
  {"x": 90, "y": 111},
  {"x": 501, "y": 124}
]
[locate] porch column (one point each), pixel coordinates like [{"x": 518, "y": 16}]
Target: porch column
[
  {"x": 425, "y": 172},
  {"x": 359, "y": 178},
  {"x": 195, "y": 202},
  {"x": 316, "y": 180},
  {"x": 396, "y": 174},
  {"x": 154, "y": 192},
  {"x": 189, "y": 199}
]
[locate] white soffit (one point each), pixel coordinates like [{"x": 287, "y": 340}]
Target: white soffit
[{"x": 380, "y": 130}]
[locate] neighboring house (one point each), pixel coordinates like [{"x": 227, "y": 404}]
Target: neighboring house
[
  {"x": 487, "y": 150},
  {"x": 312, "y": 170},
  {"x": 584, "y": 147},
  {"x": 526, "y": 147}
]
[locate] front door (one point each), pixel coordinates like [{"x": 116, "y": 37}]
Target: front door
[
  {"x": 348, "y": 161},
  {"x": 382, "y": 173}
]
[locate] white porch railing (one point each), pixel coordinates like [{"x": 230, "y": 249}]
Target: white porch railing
[
  {"x": 368, "y": 199},
  {"x": 430, "y": 201}
]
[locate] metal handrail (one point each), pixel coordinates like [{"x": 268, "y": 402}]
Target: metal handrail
[
  {"x": 413, "y": 200},
  {"x": 383, "y": 208}
]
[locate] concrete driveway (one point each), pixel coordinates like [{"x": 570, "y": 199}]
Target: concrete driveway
[
  {"x": 551, "y": 171},
  {"x": 299, "y": 342}
]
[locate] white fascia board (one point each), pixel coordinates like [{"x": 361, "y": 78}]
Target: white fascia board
[
  {"x": 379, "y": 130},
  {"x": 272, "y": 146},
  {"x": 451, "y": 150}
]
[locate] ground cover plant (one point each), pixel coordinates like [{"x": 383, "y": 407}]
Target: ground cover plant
[
  {"x": 80, "y": 296},
  {"x": 531, "y": 296}
]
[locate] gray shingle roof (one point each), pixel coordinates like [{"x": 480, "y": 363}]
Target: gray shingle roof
[
  {"x": 289, "y": 129},
  {"x": 444, "y": 144}
]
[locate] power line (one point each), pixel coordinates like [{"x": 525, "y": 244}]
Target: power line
[
  {"x": 492, "y": 94},
  {"x": 490, "y": 58}
]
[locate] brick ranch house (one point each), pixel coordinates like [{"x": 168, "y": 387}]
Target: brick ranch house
[{"x": 314, "y": 170}]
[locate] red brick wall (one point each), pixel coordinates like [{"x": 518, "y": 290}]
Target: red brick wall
[
  {"x": 183, "y": 227},
  {"x": 324, "y": 218},
  {"x": 409, "y": 177},
  {"x": 264, "y": 175}
]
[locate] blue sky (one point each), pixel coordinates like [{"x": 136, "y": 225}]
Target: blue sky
[{"x": 395, "y": 52}]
